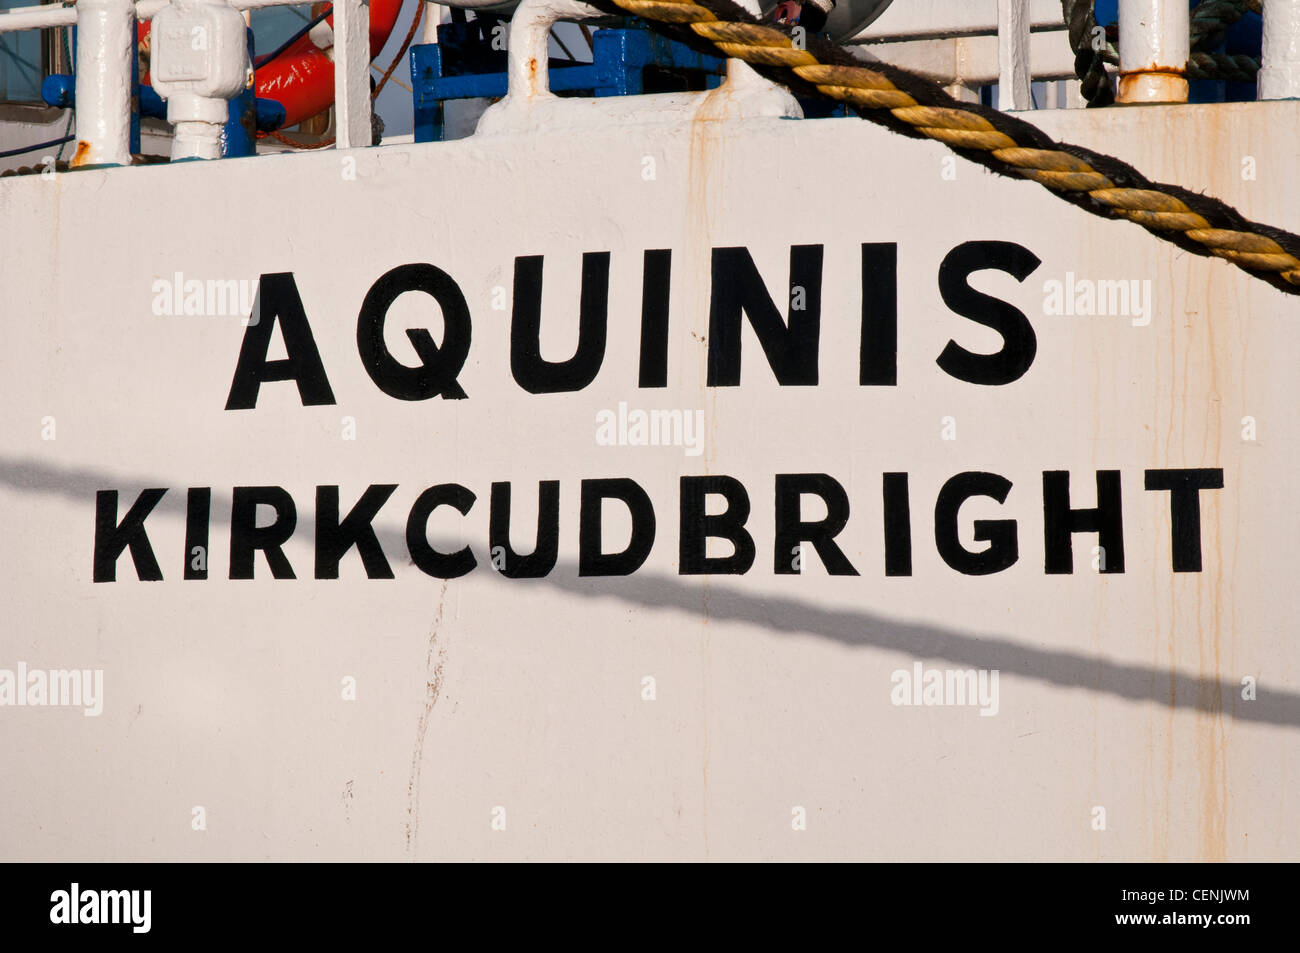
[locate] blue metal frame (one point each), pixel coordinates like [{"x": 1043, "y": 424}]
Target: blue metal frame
[
  {"x": 619, "y": 58},
  {"x": 241, "y": 113}
]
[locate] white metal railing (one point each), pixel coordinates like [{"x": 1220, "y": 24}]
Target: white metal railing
[
  {"x": 1011, "y": 41},
  {"x": 37, "y": 18},
  {"x": 919, "y": 19},
  {"x": 106, "y": 49},
  {"x": 973, "y": 44},
  {"x": 998, "y": 40}
]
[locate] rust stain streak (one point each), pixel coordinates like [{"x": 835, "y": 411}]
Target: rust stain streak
[
  {"x": 1154, "y": 68},
  {"x": 705, "y": 163},
  {"x": 81, "y": 155}
]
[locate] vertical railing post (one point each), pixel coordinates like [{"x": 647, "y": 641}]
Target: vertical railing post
[
  {"x": 105, "y": 54},
  {"x": 1279, "y": 74},
  {"x": 1013, "y": 55},
  {"x": 352, "y": 74}
]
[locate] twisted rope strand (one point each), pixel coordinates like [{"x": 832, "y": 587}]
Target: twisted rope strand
[
  {"x": 1089, "y": 62},
  {"x": 1211, "y": 19},
  {"x": 910, "y": 105},
  {"x": 1233, "y": 67}
]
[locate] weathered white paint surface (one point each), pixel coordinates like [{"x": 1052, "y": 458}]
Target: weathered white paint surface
[
  {"x": 351, "y": 78},
  {"x": 1013, "y": 55},
  {"x": 104, "y": 53},
  {"x": 1279, "y": 74},
  {"x": 772, "y": 691}
]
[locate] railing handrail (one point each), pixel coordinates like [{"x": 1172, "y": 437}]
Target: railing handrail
[{"x": 104, "y": 66}]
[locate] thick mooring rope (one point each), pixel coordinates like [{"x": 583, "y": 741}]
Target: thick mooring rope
[
  {"x": 913, "y": 106},
  {"x": 1211, "y": 19},
  {"x": 1089, "y": 62},
  {"x": 1233, "y": 67}
]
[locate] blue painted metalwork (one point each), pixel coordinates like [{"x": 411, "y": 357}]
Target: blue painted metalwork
[
  {"x": 621, "y": 56},
  {"x": 59, "y": 89},
  {"x": 240, "y": 138},
  {"x": 625, "y": 61},
  {"x": 135, "y": 106},
  {"x": 56, "y": 90},
  {"x": 270, "y": 115}
]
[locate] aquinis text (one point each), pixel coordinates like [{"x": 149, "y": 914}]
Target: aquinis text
[{"x": 790, "y": 347}]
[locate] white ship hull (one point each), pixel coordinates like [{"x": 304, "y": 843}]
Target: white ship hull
[{"x": 655, "y": 715}]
